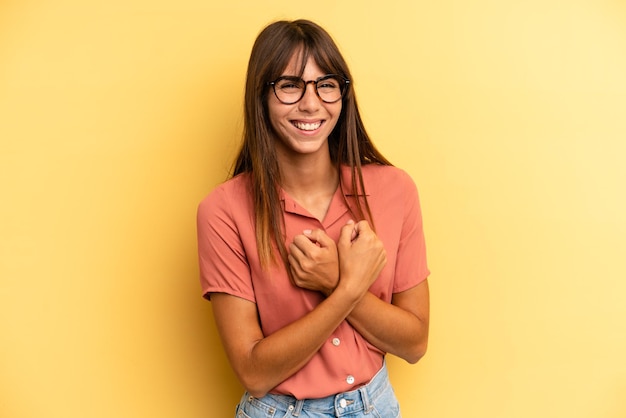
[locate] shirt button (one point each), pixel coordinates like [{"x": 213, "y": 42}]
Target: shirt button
[
  {"x": 343, "y": 403},
  {"x": 350, "y": 379},
  {"x": 336, "y": 342}
]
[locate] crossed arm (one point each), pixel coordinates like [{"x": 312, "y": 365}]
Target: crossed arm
[
  {"x": 343, "y": 272},
  {"x": 399, "y": 328}
]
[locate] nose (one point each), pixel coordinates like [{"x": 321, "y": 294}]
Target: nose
[{"x": 309, "y": 101}]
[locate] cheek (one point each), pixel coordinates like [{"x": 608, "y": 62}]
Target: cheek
[
  {"x": 276, "y": 115},
  {"x": 335, "y": 114}
]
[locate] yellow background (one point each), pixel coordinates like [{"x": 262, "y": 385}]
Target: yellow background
[{"x": 117, "y": 117}]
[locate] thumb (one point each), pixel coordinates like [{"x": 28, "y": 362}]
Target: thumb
[{"x": 348, "y": 233}]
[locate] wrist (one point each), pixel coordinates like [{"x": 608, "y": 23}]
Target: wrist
[
  {"x": 328, "y": 291},
  {"x": 353, "y": 294}
]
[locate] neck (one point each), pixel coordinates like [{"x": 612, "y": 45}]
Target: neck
[{"x": 308, "y": 176}]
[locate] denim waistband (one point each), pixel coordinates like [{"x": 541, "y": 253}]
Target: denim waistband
[{"x": 344, "y": 403}]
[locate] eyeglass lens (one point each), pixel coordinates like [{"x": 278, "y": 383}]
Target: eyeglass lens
[{"x": 289, "y": 90}]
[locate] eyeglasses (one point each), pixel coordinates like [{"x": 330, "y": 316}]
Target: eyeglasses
[{"x": 329, "y": 88}]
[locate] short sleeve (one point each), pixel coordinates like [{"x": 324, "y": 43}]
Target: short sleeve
[
  {"x": 411, "y": 265},
  {"x": 224, "y": 266}
]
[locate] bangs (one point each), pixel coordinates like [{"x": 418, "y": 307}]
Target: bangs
[{"x": 325, "y": 56}]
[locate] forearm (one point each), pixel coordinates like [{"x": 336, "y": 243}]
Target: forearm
[
  {"x": 393, "y": 329},
  {"x": 263, "y": 364}
]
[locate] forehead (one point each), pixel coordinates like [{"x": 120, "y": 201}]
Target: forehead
[{"x": 305, "y": 69}]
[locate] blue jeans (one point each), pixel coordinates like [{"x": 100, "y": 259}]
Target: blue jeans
[{"x": 374, "y": 400}]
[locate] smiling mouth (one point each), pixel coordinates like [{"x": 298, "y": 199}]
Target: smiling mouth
[{"x": 304, "y": 126}]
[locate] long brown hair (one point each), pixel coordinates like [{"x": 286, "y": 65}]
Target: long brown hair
[{"x": 349, "y": 143}]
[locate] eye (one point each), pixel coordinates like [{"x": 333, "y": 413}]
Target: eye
[
  {"x": 328, "y": 84},
  {"x": 289, "y": 85}
]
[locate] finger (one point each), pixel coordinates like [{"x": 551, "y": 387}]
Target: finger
[
  {"x": 320, "y": 237},
  {"x": 303, "y": 244},
  {"x": 355, "y": 234},
  {"x": 296, "y": 252},
  {"x": 347, "y": 233},
  {"x": 362, "y": 226},
  {"x": 364, "y": 231},
  {"x": 297, "y": 271}
]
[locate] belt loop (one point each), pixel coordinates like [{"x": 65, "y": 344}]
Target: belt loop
[
  {"x": 298, "y": 408},
  {"x": 367, "y": 407}
]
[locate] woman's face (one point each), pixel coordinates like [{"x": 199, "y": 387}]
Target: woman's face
[{"x": 303, "y": 127}]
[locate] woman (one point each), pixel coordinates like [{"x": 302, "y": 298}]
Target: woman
[{"x": 312, "y": 254}]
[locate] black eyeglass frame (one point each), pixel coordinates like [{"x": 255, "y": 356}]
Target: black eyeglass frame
[{"x": 339, "y": 77}]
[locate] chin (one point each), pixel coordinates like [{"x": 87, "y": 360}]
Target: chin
[{"x": 305, "y": 148}]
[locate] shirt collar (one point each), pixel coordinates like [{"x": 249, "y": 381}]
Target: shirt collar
[
  {"x": 338, "y": 204},
  {"x": 346, "y": 185}
]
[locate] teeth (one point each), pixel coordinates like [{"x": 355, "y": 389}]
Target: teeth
[{"x": 307, "y": 126}]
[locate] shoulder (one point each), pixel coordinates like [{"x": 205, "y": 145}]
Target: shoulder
[
  {"x": 386, "y": 177},
  {"x": 230, "y": 196}
]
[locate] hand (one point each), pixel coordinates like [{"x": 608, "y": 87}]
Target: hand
[
  {"x": 314, "y": 262},
  {"x": 362, "y": 257}
]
